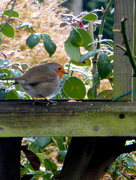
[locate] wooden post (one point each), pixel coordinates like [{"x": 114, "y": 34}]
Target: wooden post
[
  {"x": 10, "y": 158},
  {"x": 122, "y": 68}
]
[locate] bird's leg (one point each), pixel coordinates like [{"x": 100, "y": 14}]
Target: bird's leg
[{"x": 48, "y": 101}]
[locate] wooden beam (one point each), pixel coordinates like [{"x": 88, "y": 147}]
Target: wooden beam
[{"x": 19, "y": 118}]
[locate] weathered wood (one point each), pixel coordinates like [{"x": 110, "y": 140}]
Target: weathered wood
[
  {"x": 134, "y": 43},
  {"x": 86, "y": 118},
  {"x": 122, "y": 68}
]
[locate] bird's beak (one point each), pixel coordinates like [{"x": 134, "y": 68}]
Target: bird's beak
[{"x": 65, "y": 72}]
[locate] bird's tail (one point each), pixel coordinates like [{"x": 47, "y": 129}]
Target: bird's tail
[{"x": 12, "y": 78}]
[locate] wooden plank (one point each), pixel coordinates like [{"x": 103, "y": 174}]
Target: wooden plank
[
  {"x": 122, "y": 67},
  {"x": 86, "y": 118}
]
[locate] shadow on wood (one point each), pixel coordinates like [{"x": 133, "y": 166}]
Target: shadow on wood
[
  {"x": 89, "y": 157},
  {"x": 10, "y": 158}
]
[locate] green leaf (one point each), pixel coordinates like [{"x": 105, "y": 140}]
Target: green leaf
[
  {"x": 60, "y": 142},
  {"x": 44, "y": 34},
  {"x": 42, "y": 142},
  {"x": 15, "y": 72},
  {"x": 2, "y": 75},
  {"x": 75, "y": 38},
  {"x": 90, "y": 93},
  {"x": 3, "y": 93},
  {"x": 63, "y": 80},
  {"x": 89, "y": 54},
  {"x": 33, "y": 40},
  {"x": 63, "y": 154},
  {"x": 4, "y": 62},
  {"x": 72, "y": 51},
  {"x": 25, "y": 66},
  {"x": 86, "y": 38},
  {"x": 47, "y": 176},
  {"x": 85, "y": 63},
  {"x": 49, "y": 45},
  {"x": 74, "y": 88},
  {"x": 50, "y": 165},
  {"x": 7, "y": 72},
  {"x": 96, "y": 84},
  {"x": 12, "y": 95},
  {"x": 0, "y": 38},
  {"x": 107, "y": 41},
  {"x": 25, "y": 25},
  {"x": 90, "y": 17},
  {"x": 8, "y": 30},
  {"x": 130, "y": 162},
  {"x": 14, "y": 13},
  {"x": 106, "y": 94},
  {"x": 104, "y": 65},
  {"x": 22, "y": 95}
]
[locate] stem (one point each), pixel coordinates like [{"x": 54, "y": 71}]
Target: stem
[
  {"x": 124, "y": 49},
  {"x": 10, "y": 14},
  {"x": 99, "y": 44},
  {"x": 103, "y": 17},
  {"x": 129, "y": 52},
  {"x": 91, "y": 30},
  {"x": 5, "y": 10}
]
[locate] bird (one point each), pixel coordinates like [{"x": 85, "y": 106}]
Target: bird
[{"x": 41, "y": 81}]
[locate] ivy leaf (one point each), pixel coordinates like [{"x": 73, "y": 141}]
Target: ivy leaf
[
  {"x": 72, "y": 51},
  {"x": 74, "y": 88},
  {"x": 75, "y": 38},
  {"x": 90, "y": 17},
  {"x": 14, "y": 13},
  {"x": 49, "y": 45},
  {"x": 8, "y": 30},
  {"x": 104, "y": 65},
  {"x": 33, "y": 40}
]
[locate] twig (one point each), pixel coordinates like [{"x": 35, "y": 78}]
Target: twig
[
  {"x": 128, "y": 49},
  {"x": 10, "y": 14}
]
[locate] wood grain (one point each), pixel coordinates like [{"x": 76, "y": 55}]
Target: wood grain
[
  {"x": 86, "y": 118},
  {"x": 122, "y": 68}
]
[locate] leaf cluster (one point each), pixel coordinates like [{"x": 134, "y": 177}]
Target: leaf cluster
[{"x": 41, "y": 148}]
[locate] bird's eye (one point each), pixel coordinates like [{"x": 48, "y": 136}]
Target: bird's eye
[{"x": 59, "y": 68}]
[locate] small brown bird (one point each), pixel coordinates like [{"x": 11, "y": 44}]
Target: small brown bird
[{"x": 41, "y": 81}]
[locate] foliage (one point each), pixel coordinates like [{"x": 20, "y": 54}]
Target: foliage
[
  {"x": 50, "y": 151},
  {"x": 124, "y": 166},
  {"x": 34, "y": 18}
]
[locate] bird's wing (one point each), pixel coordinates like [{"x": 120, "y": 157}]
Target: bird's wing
[{"x": 41, "y": 77}]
